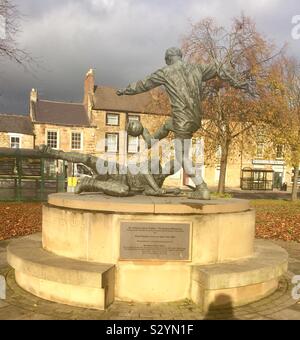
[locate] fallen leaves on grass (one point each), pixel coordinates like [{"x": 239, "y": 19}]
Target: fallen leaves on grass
[
  {"x": 19, "y": 219},
  {"x": 277, "y": 220}
]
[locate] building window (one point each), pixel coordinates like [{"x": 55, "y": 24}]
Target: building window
[
  {"x": 279, "y": 151},
  {"x": 76, "y": 141},
  {"x": 112, "y": 119},
  {"x": 112, "y": 143},
  {"x": 52, "y": 139},
  {"x": 133, "y": 118},
  {"x": 133, "y": 144},
  {"x": 260, "y": 150},
  {"x": 15, "y": 142}
]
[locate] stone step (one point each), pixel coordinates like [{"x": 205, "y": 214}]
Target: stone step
[
  {"x": 252, "y": 278},
  {"x": 60, "y": 279}
]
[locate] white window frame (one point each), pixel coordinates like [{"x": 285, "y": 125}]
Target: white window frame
[
  {"x": 15, "y": 135},
  {"x": 113, "y": 114},
  {"x": 132, "y": 117},
  {"x": 81, "y": 140},
  {"x": 106, "y": 142},
  {"x": 58, "y": 137},
  {"x": 138, "y": 145}
]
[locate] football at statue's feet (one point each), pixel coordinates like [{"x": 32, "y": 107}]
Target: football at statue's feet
[{"x": 135, "y": 128}]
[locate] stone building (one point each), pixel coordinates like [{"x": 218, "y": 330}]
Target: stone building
[
  {"x": 84, "y": 127},
  {"x": 16, "y": 131},
  {"x": 64, "y": 126},
  {"x": 95, "y": 126},
  {"x": 110, "y": 114}
]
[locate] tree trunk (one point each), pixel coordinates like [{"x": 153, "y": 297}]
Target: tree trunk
[
  {"x": 295, "y": 184},
  {"x": 223, "y": 170}
]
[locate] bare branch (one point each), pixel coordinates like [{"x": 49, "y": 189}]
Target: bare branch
[{"x": 10, "y": 28}]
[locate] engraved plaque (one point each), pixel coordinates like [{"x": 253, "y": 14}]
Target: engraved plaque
[{"x": 155, "y": 241}]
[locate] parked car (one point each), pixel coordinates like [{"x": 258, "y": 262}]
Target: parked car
[{"x": 81, "y": 171}]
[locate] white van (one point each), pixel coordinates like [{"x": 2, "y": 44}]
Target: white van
[
  {"x": 76, "y": 173},
  {"x": 81, "y": 171}
]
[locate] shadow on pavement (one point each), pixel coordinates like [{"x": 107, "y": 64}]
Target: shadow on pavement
[{"x": 221, "y": 309}]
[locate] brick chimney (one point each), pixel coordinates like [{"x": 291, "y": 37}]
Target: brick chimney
[
  {"x": 33, "y": 101},
  {"x": 89, "y": 90}
]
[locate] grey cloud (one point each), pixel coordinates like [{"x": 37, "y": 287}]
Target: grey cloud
[{"x": 122, "y": 39}]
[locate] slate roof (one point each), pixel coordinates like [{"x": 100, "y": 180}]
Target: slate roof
[
  {"x": 11, "y": 123},
  {"x": 58, "y": 113},
  {"x": 105, "y": 99}
]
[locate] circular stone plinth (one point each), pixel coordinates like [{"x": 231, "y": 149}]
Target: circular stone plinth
[
  {"x": 98, "y": 228},
  {"x": 147, "y": 249},
  {"x": 88, "y": 227},
  {"x": 94, "y": 286},
  {"x": 148, "y": 205}
]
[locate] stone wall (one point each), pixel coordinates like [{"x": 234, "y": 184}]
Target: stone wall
[
  {"x": 65, "y": 134},
  {"x": 4, "y": 140},
  {"x": 27, "y": 141}
]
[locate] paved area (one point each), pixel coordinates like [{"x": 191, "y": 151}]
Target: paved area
[{"x": 22, "y": 305}]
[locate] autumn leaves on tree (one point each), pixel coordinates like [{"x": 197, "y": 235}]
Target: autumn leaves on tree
[
  {"x": 284, "y": 123},
  {"x": 231, "y": 115}
]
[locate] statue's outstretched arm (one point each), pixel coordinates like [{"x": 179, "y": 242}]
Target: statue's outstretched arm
[
  {"x": 232, "y": 77},
  {"x": 151, "y": 82},
  {"x": 225, "y": 73},
  {"x": 30, "y": 153}
]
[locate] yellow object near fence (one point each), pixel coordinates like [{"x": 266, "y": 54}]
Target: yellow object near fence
[{"x": 72, "y": 182}]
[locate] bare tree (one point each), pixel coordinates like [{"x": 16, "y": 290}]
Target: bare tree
[{"x": 10, "y": 18}]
